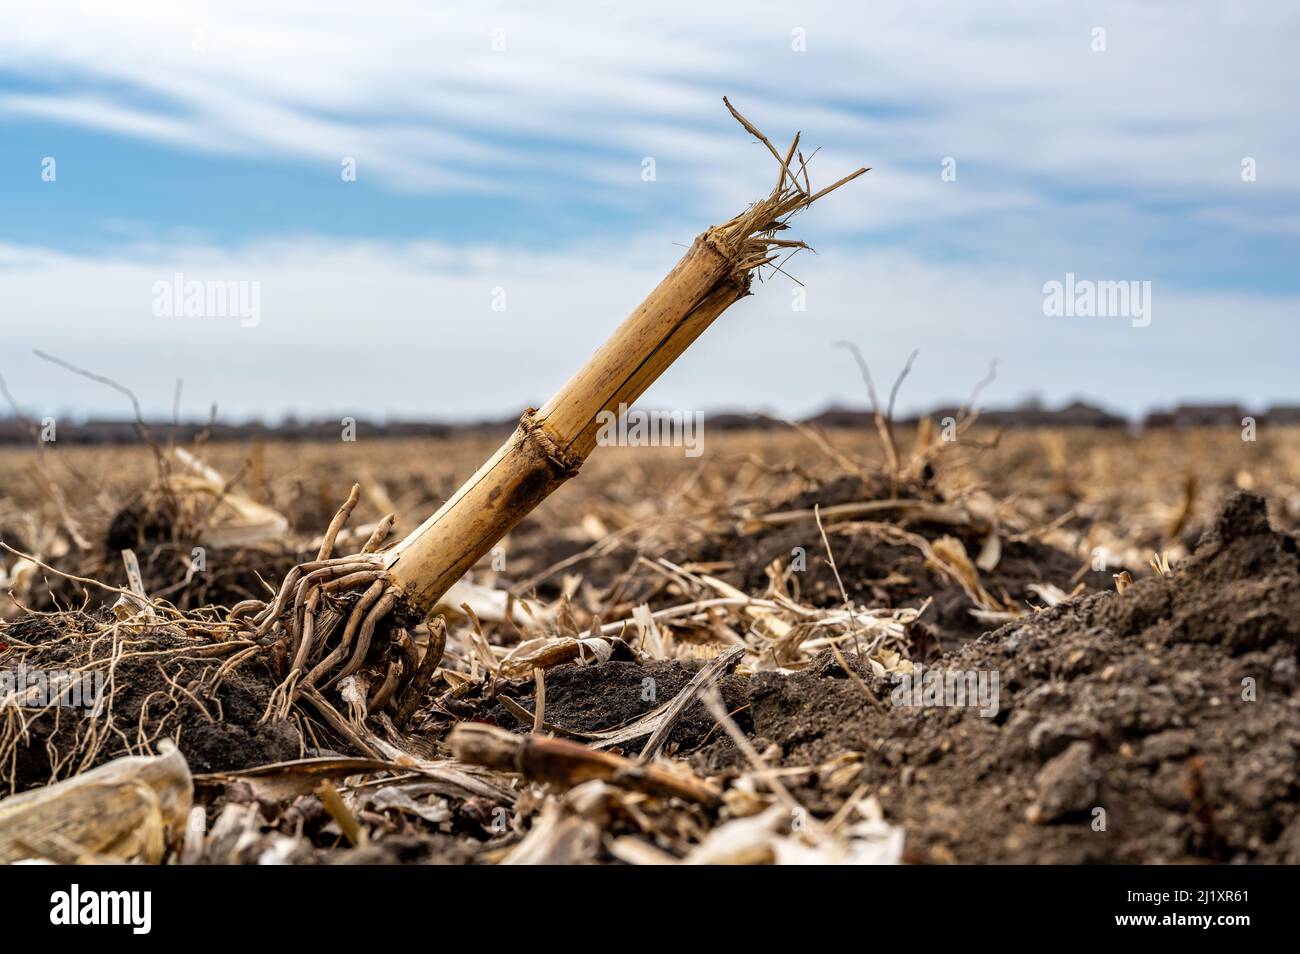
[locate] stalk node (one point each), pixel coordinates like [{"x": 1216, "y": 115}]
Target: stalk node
[{"x": 566, "y": 464}]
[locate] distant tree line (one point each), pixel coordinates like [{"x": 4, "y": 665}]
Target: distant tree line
[{"x": 1030, "y": 414}]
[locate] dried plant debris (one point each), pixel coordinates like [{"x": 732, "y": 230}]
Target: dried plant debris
[
  {"x": 698, "y": 719},
  {"x": 127, "y": 810}
]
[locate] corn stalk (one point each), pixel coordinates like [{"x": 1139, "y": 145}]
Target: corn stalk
[{"x": 547, "y": 448}]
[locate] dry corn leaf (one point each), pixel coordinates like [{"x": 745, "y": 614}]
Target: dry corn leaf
[{"x": 123, "y": 810}]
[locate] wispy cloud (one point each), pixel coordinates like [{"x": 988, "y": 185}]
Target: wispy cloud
[
  {"x": 442, "y": 322},
  {"x": 1180, "y": 93}
]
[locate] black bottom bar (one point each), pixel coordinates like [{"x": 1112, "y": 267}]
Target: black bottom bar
[{"x": 333, "y": 904}]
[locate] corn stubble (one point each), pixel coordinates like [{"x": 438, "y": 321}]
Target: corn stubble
[{"x": 378, "y": 595}]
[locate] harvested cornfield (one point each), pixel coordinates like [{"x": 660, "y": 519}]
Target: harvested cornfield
[{"x": 725, "y": 659}]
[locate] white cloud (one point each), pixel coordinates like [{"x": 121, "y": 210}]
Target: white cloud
[
  {"x": 1034, "y": 118},
  {"x": 408, "y": 328},
  {"x": 1181, "y": 93}
]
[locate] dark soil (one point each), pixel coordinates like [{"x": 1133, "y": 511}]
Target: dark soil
[
  {"x": 592, "y": 698},
  {"x": 137, "y": 525},
  {"x": 1157, "y": 725},
  {"x": 882, "y": 573},
  {"x": 222, "y": 736}
]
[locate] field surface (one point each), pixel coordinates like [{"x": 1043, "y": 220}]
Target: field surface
[{"x": 1032, "y": 646}]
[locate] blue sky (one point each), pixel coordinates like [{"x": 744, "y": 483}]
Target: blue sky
[{"x": 499, "y": 153}]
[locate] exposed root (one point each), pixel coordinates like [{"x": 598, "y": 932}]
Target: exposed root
[
  {"x": 313, "y": 599},
  {"x": 359, "y": 611},
  {"x": 409, "y": 698},
  {"x": 377, "y": 613}
]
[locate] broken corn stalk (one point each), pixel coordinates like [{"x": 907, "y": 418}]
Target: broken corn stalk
[
  {"x": 551, "y": 444},
  {"x": 402, "y": 585}
]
